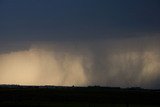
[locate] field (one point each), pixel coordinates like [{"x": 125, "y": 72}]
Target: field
[{"x": 50, "y": 96}]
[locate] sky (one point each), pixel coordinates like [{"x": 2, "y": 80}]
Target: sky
[
  {"x": 77, "y": 19},
  {"x": 80, "y": 42}
]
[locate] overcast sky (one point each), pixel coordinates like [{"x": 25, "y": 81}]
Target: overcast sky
[{"x": 77, "y": 19}]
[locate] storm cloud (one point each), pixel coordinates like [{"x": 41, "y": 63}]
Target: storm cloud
[
  {"x": 127, "y": 62},
  {"x": 80, "y": 42}
]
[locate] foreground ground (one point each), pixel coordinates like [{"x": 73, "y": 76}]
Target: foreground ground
[{"x": 12, "y": 95}]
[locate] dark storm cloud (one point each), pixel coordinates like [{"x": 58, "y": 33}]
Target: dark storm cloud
[
  {"x": 77, "y": 19},
  {"x": 108, "y": 42}
]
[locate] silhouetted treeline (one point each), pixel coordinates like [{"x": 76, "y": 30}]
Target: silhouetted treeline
[{"x": 95, "y": 94}]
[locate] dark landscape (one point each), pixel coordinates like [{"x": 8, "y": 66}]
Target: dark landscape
[
  {"x": 95, "y": 96},
  {"x": 80, "y": 53}
]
